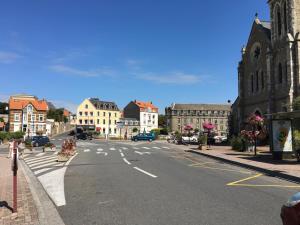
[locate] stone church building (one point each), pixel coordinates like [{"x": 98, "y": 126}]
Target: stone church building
[{"x": 268, "y": 74}]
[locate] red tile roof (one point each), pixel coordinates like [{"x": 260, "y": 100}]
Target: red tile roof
[
  {"x": 146, "y": 105},
  {"x": 19, "y": 104}
]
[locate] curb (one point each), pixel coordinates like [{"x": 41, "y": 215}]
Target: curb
[
  {"x": 271, "y": 173},
  {"x": 47, "y": 212}
]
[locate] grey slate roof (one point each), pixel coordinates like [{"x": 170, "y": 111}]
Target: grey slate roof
[
  {"x": 104, "y": 105},
  {"x": 267, "y": 27},
  {"x": 201, "y": 107}
]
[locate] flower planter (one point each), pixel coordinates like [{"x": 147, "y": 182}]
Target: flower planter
[{"x": 62, "y": 158}]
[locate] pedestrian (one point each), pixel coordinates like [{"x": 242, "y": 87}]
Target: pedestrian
[
  {"x": 10, "y": 148},
  {"x": 21, "y": 148}
]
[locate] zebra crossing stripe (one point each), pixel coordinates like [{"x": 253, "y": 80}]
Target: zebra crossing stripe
[
  {"x": 43, "y": 161},
  {"x": 86, "y": 150},
  {"x": 31, "y": 160},
  {"x": 55, "y": 153},
  {"x": 37, "y": 172},
  {"x": 156, "y": 147},
  {"x": 44, "y": 165},
  {"x": 112, "y": 149},
  {"x": 166, "y": 147},
  {"x": 135, "y": 148},
  {"x": 124, "y": 148},
  {"x": 146, "y": 148},
  {"x": 100, "y": 149},
  {"x": 41, "y": 154}
]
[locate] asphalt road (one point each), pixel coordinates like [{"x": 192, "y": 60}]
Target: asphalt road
[{"x": 115, "y": 183}]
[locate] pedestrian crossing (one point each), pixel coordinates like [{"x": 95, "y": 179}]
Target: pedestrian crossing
[{"x": 42, "y": 162}]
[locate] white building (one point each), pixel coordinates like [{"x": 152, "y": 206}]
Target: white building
[{"x": 145, "y": 112}]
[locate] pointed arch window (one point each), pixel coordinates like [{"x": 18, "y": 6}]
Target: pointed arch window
[
  {"x": 256, "y": 81},
  {"x": 285, "y": 17},
  {"x": 280, "y": 77},
  {"x": 252, "y": 83},
  {"x": 279, "y": 23},
  {"x": 262, "y": 78},
  {"x": 286, "y": 72}
]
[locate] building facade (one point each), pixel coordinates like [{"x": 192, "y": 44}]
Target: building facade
[
  {"x": 145, "y": 112},
  {"x": 194, "y": 115},
  {"x": 127, "y": 127},
  {"x": 101, "y": 116},
  {"x": 27, "y": 114},
  {"x": 268, "y": 73}
]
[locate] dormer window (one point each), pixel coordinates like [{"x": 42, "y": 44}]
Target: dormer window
[{"x": 29, "y": 108}]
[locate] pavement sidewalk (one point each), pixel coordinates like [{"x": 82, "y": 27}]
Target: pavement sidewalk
[
  {"x": 263, "y": 162},
  {"x": 27, "y": 212}
]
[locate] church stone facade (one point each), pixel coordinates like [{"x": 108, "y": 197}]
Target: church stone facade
[{"x": 268, "y": 73}]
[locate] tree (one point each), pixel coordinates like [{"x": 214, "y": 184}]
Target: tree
[
  {"x": 1, "y": 119},
  {"x": 296, "y": 103},
  {"x": 134, "y": 130},
  {"x": 162, "y": 121},
  {"x": 3, "y": 106},
  {"x": 57, "y": 115}
]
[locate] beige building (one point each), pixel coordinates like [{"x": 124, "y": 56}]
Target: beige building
[
  {"x": 181, "y": 115},
  {"x": 268, "y": 74},
  {"x": 101, "y": 116}
]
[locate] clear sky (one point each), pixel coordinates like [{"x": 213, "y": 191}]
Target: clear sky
[{"x": 165, "y": 51}]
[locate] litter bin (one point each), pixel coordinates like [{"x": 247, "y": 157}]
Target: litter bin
[{"x": 290, "y": 212}]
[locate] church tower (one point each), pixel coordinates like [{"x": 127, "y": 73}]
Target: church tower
[{"x": 284, "y": 53}]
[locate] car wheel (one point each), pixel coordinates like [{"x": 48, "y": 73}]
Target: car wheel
[
  {"x": 150, "y": 140},
  {"x": 135, "y": 140},
  {"x": 36, "y": 145}
]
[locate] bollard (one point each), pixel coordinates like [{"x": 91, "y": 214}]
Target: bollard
[{"x": 15, "y": 183}]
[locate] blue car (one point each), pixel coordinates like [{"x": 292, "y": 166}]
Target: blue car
[{"x": 143, "y": 137}]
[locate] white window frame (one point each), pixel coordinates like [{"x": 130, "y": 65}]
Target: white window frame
[
  {"x": 41, "y": 118},
  {"x": 17, "y": 117}
]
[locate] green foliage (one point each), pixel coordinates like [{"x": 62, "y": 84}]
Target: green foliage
[
  {"x": 164, "y": 131},
  {"x": 296, "y": 135},
  {"x": 203, "y": 139},
  {"x": 162, "y": 121},
  {"x": 296, "y": 103},
  {"x": 57, "y": 115},
  {"x": 13, "y": 135},
  {"x": 134, "y": 130},
  {"x": 1, "y": 119},
  {"x": 196, "y": 130},
  {"x": 156, "y": 132},
  {"x": 237, "y": 143},
  {"x": 3, "y": 106}
]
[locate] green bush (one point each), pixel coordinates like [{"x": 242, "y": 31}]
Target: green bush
[
  {"x": 297, "y": 139},
  {"x": 134, "y": 130},
  {"x": 156, "y": 132},
  {"x": 17, "y": 135},
  {"x": 237, "y": 143},
  {"x": 203, "y": 139},
  {"x": 3, "y": 135}
]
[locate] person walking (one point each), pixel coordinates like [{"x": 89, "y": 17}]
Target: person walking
[{"x": 10, "y": 148}]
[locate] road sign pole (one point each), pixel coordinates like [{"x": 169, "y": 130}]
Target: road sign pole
[{"x": 15, "y": 180}]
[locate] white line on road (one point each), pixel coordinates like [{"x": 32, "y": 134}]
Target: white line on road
[
  {"x": 142, "y": 153},
  {"x": 55, "y": 153},
  {"x": 86, "y": 150},
  {"x": 37, "y": 172},
  {"x": 135, "y": 148},
  {"x": 146, "y": 148},
  {"x": 99, "y": 149},
  {"x": 53, "y": 159},
  {"x": 112, "y": 149},
  {"x": 125, "y": 160},
  {"x": 60, "y": 139},
  {"x": 44, "y": 165},
  {"x": 156, "y": 147},
  {"x": 120, "y": 150},
  {"x": 33, "y": 160},
  {"x": 145, "y": 172},
  {"x": 41, "y": 154},
  {"x": 124, "y": 148},
  {"x": 105, "y": 153},
  {"x": 122, "y": 154},
  {"x": 52, "y": 139},
  {"x": 166, "y": 147},
  {"x": 138, "y": 152}
]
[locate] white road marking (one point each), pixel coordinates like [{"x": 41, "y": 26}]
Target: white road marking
[
  {"x": 125, "y": 160},
  {"x": 99, "y": 149},
  {"x": 37, "y": 172},
  {"x": 105, "y": 153},
  {"x": 53, "y": 139},
  {"x": 41, "y": 154},
  {"x": 142, "y": 153},
  {"x": 55, "y": 153},
  {"x": 124, "y": 148},
  {"x": 44, "y": 165},
  {"x": 122, "y": 154},
  {"x": 156, "y": 147},
  {"x": 112, "y": 149},
  {"x": 145, "y": 172},
  {"x": 166, "y": 147},
  {"x": 60, "y": 139},
  {"x": 33, "y": 160},
  {"x": 86, "y": 150},
  {"x": 53, "y": 159},
  {"x": 120, "y": 150},
  {"x": 145, "y": 147},
  {"x": 135, "y": 148}
]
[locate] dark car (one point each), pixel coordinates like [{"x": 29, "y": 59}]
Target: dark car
[
  {"x": 72, "y": 133},
  {"x": 37, "y": 141},
  {"x": 143, "y": 137},
  {"x": 82, "y": 136}
]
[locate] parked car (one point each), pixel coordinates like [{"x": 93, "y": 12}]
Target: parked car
[
  {"x": 82, "y": 136},
  {"x": 72, "y": 133},
  {"x": 220, "y": 139},
  {"x": 143, "y": 137},
  {"x": 37, "y": 141},
  {"x": 188, "y": 140}
]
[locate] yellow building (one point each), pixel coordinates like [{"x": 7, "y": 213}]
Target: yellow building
[{"x": 101, "y": 116}]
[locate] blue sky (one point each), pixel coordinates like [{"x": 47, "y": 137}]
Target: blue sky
[{"x": 165, "y": 51}]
